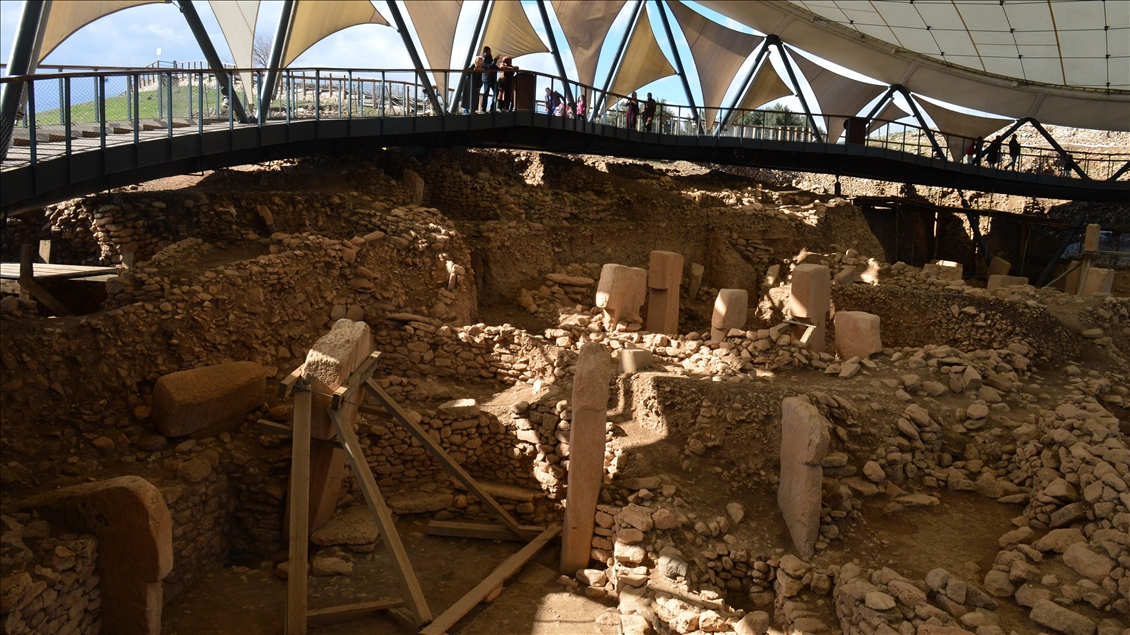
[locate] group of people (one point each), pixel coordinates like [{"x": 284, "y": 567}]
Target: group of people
[
  {"x": 556, "y": 104},
  {"x": 632, "y": 112},
  {"x": 976, "y": 152},
  {"x": 491, "y": 84}
]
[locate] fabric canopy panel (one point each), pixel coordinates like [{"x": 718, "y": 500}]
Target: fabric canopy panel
[
  {"x": 586, "y": 25},
  {"x": 960, "y": 128},
  {"x": 435, "y": 21},
  {"x": 67, "y": 16},
  {"x": 1060, "y": 105},
  {"x": 313, "y": 21},
  {"x": 509, "y": 31},
  {"x": 839, "y": 97},
  {"x": 718, "y": 53},
  {"x": 766, "y": 87},
  {"x": 891, "y": 113},
  {"x": 644, "y": 62},
  {"x": 237, "y": 21}
]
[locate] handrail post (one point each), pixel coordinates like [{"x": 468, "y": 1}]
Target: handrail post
[
  {"x": 102, "y": 113},
  {"x": 421, "y": 72},
  {"x": 318, "y": 94},
  {"x": 200, "y": 105},
  {"x": 31, "y": 121},
  {"x": 169, "y": 113},
  {"x": 135, "y": 123},
  {"x": 67, "y": 115}
]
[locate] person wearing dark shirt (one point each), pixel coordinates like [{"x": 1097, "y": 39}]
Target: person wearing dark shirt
[
  {"x": 648, "y": 113},
  {"x": 631, "y": 111},
  {"x": 490, "y": 80},
  {"x": 1013, "y": 152},
  {"x": 505, "y": 96},
  {"x": 993, "y": 153},
  {"x": 474, "y": 85}
]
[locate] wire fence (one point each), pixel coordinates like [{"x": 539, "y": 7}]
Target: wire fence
[{"x": 124, "y": 105}]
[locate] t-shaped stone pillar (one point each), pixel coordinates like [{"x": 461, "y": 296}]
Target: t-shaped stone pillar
[
  {"x": 621, "y": 291},
  {"x": 730, "y": 312},
  {"x": 804, "y": 443},
  {"x": 809, "y": 300},
  {"x": 664, "y": 276},
  {"x": 586, "y": 454}
]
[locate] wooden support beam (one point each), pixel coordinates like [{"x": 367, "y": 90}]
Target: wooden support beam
[
  {"x": 30, "y": 289},
  {"x": 445, "y": 459},
  {"x": 355, "y": 610},
  {"x": 299, "y": 516},
  {"x": 287, "y": 384},
  {"x": 455, "y": 529},
  {"x": 270, "y": 427},
  {"x": 355, "y": 380},
  {"x": 414, "y": 599},
  {"x": 508, "y": 568}
]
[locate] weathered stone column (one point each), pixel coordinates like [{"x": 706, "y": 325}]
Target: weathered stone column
[
  {"x": 731, "y": 309},
  {"x": 664, "y": 276},
  {"x": 809, "y": 299},
  {"x": 586, "y": 454},
  {"x": 328, "y": 364},
  {"x": 804, "y": 443},
  {"x": 621, "y": 291}
]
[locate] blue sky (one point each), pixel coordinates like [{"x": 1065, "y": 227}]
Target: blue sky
[{"x": 132, "y": 37}]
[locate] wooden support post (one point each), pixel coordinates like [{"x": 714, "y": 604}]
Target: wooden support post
[
  {"x": 413, "y": 595},
  {"x": 29, "y": 288},
  {"x": 45, "y": 250},
  {"x": 445, "y": 459},
  {"x": 508, "y": 568},
  {"x": 299, "y": 515},
  {"x": 586, "y": 454},
  {"x": 27, "y": 272},
  {"x": 457, "y": 529}
]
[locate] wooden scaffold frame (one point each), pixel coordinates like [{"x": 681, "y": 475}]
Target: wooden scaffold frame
[{"x": 412, "y": 608}]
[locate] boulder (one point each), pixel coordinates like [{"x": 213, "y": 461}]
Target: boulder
[
  {"x": 1093, "y": 566},
  {"x": 1053, "y": 616},
  {"x": 857, "y": 334},
  {"x": 188, "y": 401}
]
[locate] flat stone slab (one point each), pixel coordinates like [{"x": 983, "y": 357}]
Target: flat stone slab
[
  {"x": 420, "y": 502},
  {"x": 191, "y": 400},
  {"x": 804, "y": 444},
  {"x": 354, "y": 526}
]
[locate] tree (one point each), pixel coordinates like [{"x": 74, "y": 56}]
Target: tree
[
  {"x": 261, "y": 51},
  {"x": 776, "y": 117}
]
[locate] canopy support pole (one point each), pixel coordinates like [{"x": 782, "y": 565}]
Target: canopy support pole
[
  {"x": 922, "y": 122},
  {"x": 614, "y": 70},
  {"x": 22, "y": 61},
  {"x": 421, "y": 72},
  {"x": 471, "y": 48},
  {"x": 1067, "y": 158},
  {"x": 282, "y": 34},
  {"x": 776, "y": 41},
  {"x": 679, "y": 65},
  {"x": 556, "y": 51},
  {"x": 762, "y": 50},
  {"x": 206, "y": 47}
]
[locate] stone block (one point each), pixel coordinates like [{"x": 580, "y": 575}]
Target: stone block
[
  {"x": 663, "y": 311},
  {"x": 857, "y": 334},
  {"x": 414, "y": 183},
  {"x": 460, "y": 408},
  {"x": 1000, "y": 281},
  {"x": 811, "y": 293},
  {"x": 772, "y": 276},
  {"x": 135, "y": 545},
  {"x": 1099, "y": 280},
  {"x": 804, "y": 444},
  {"x": 633, "y": 360},
  {"x": 586, "y": 454},
  {"x": 731, "y": 309},
  {"x": 695, "y": 280},
  {"x": 847, "y": 275},
  {"x": 665, "y": 270},
  {"x": 1091, "y": 238},
  {"x": 191, "y": 400},
  {"x": 621, "y": 291},
  {"x": 944, "y": 269},
  {"x": 999, "y": 266}
]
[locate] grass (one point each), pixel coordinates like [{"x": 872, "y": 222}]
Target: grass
[{"x": 118, "y": 107}]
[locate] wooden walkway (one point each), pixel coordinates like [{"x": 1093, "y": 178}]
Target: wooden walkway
[{"x": 11, "y": 271}]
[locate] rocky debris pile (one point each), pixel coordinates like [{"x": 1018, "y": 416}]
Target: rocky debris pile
[
  {"x": 884, "y": 602},
  {"x": 571, "y": 290},
  {"x": 49, "y": 585}
]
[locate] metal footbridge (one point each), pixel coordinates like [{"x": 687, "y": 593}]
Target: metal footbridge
[{"x": 84, "y": 130}]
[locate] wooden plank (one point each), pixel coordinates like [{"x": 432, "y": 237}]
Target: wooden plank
[
  {"x": 508, "y": 568},
  {"x": 355, "y": 610},
  {"x": 287, "y": 384},
  {"x": 445, "y": 459},
  {"x": 413, "y": 595},
  {"x": 41, "y": 294},
  {"x": 484, "y": 531},
  {"x": 356, "y": 379},
  {"x": 11, "y": 271},
  {"x": 299, "y": 516},
  {"x": 270, "y": 427}
]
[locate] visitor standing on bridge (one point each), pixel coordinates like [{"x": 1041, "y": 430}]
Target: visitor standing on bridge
[
  {"x": 580, "y": 105},
  {"x": 1013, "y": 152},
  {"x": 631, "y": 111},
  {"x": 649, "y": 112},
  {"x": 490, "y": 80},
  {"x": 978, "y": 150},
  {"x": 505, "y": 96},
  {"x": 471, "y": 93},
  {"x": 993, "y": 154}
]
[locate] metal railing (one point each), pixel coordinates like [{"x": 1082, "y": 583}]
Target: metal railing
[{"x": 77, "y": 109}]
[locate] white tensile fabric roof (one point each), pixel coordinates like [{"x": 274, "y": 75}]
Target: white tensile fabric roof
[
  {"x": 1058, "y": 61},
  {"x": 837, "y": 95},
  {"x": 237, "y": 21}
]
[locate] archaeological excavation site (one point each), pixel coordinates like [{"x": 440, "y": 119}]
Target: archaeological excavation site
[{"x": 503, "y": 392}]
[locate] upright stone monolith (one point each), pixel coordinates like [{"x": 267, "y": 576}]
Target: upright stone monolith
[
  {"x": 809, "y": 300},
  {"x": 804, "y": 443},
  {"x": 731, "y": 310},
  {"x": 621, "y": 291},
  {"x": 586, "y": 454},
  {"x": 664, "y": 276}
]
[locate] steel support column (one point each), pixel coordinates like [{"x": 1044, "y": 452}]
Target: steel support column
[
  {"x": 616, "y": 60},
  {"x": 679, "y": 64},
  {"x": 881, "y": 103},
  {"x": 21, "y": 61},
  {"x": 206, "y": 47},
  {"x": 922, "y": 122},
  {"x": 555, "y": 51},
  {"x": 282, "y": 34},
  {"x": 724, "y": 121},
  {"x": 471, "y": 48},
  {"x": 776, "y": 41},
  {"x": 421, "y": 72},
  {"x": 1063, "y": 245},
  {"x": 1070, "y": 160}
]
